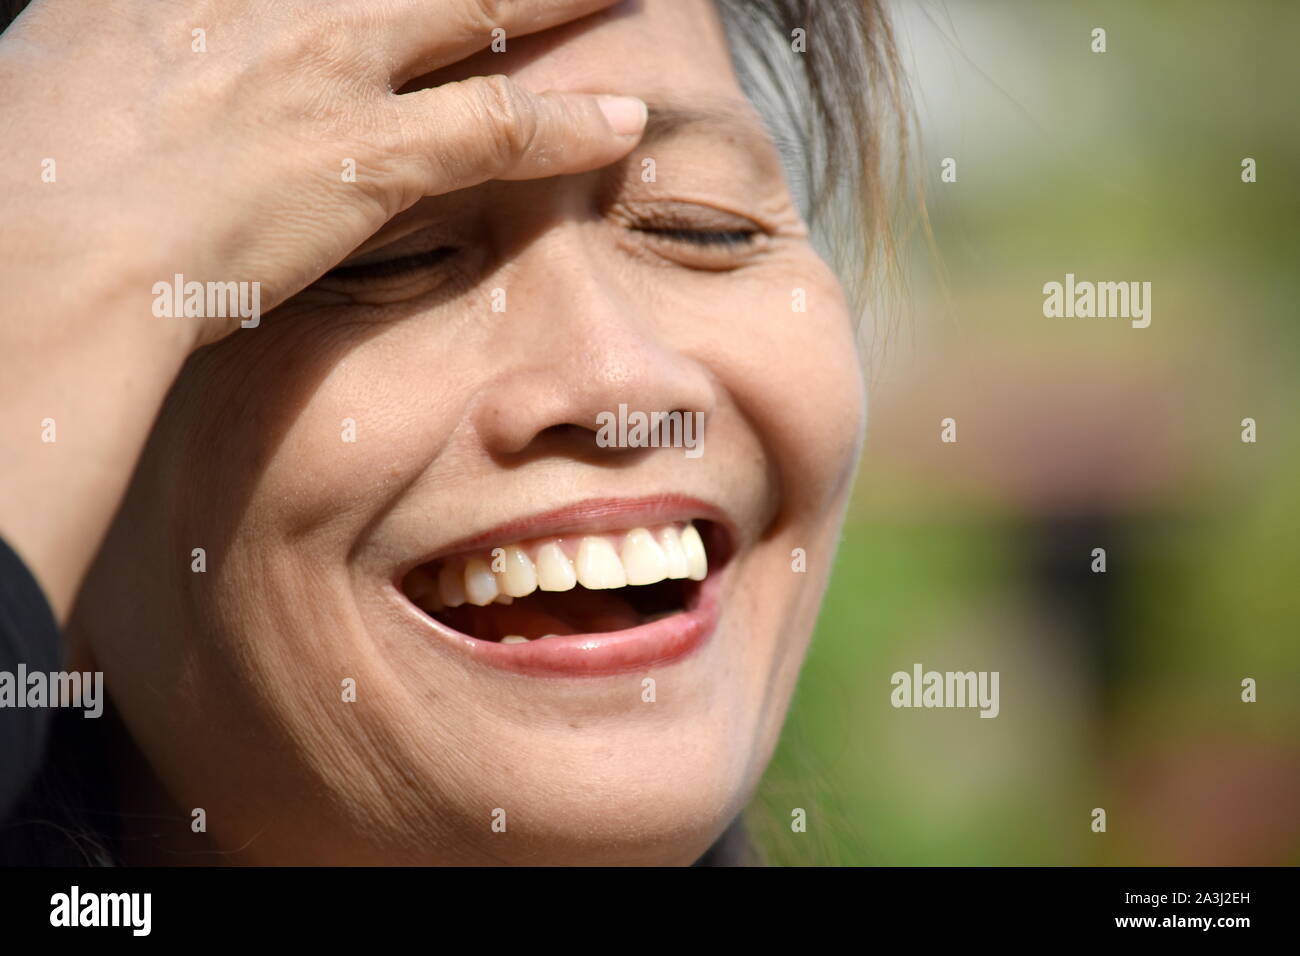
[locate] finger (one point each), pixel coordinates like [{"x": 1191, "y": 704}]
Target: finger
[
  {"x": 488, "y": 127},
  {"x": 425, "y": 35}
]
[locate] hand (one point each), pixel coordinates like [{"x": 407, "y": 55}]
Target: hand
[
  {"x": 139, "y": 140},
  {"x": 219, "y": 144}
]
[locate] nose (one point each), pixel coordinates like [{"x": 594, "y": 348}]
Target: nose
[{"x": 577, "y": 343}]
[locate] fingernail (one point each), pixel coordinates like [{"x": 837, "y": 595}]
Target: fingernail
[{"x": 626, "y": 114}]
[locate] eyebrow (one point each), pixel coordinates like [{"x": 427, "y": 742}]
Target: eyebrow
[{"x": 667, "y": 118}]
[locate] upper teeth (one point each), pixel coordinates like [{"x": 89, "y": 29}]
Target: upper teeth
[
  {"x": 642, "y": 557},
  {"x": 554, "y": 570}
]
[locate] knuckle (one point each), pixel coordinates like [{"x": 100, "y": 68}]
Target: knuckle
[
  {"x": 486, "y": 14},
  {"x": 509, "y": 115}
]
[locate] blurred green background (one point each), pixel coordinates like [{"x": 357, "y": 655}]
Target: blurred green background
[{"x": 1119, "y": 690}]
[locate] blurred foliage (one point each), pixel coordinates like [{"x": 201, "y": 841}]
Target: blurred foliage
[{"x": 1119, "y": 691}]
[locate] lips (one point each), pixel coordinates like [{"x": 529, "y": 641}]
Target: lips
[{"x": 579, "y": 598}]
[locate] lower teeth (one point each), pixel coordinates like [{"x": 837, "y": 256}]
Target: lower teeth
[{"x": 520, "y": 639}]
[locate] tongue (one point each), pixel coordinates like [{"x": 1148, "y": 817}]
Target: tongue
[{"x": 578, "y": 611}]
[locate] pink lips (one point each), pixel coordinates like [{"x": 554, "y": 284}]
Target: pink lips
[{"x": 599, "y": 654}]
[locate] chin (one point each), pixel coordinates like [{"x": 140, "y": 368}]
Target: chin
[{"x": 603, "y": 681}]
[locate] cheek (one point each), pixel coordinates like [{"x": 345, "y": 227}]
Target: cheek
[
  {"x": 797, "y": 378},
  {"x": 330, "y": 421}
]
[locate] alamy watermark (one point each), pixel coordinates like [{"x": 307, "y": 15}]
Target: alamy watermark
[
  {"x": 53, "y": 689},
  {"x": 626, "y": 429},
  {"x": 208, "y": 300},
  {"x": 946, "y": 689},
  {"x": 1101, "y": 300},
  {"x": 74, "y": 908}
]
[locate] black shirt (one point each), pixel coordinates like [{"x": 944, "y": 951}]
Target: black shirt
[{"x": 29, "y": 635}]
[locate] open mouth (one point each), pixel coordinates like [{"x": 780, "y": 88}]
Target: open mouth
[{"x": 561, "y": 585}]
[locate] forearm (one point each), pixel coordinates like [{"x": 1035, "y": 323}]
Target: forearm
[{"x": 83, "y": 372}]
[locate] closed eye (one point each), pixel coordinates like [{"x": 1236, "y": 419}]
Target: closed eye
[
  {"x": 703, "y": 237},
  {"x": 391, "y": 268}
]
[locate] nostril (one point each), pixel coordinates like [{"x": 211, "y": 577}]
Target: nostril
[{"x": 565, "y": 430}]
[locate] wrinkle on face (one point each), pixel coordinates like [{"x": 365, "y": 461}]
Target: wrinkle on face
[{"x": 456, "y": 407}]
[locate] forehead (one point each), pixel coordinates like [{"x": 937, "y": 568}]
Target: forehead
[
  {"x": 633, "y": 47},
  {"x": 671, "y": 53}
]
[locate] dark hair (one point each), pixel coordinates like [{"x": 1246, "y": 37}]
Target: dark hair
[{"x": 834, "y": 102}]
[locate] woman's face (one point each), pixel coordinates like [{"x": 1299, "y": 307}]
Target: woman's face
[{"x": 469, "y": 349}]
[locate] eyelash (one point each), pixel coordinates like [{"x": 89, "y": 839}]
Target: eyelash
[
  {"x": 702, "y": 237},
  {"x": 405, "y": 265},
  {"x": 391, "y": 268}
]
